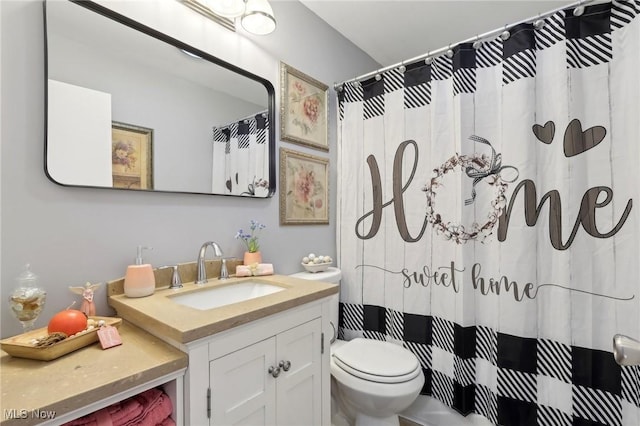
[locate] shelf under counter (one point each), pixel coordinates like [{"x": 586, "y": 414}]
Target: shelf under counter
[{"x": 89, "y": 379}]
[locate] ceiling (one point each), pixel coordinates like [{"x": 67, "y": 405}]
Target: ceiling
[{"x": 392, "y": 31}]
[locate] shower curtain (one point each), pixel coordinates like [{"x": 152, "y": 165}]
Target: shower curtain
[
  {"x": 240, "y": 158},
  {"x": 488, "y": 217}
]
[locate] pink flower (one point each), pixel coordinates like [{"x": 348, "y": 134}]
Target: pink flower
[
  {"x": 311, "y": 108},
  {"x": 304, "y": 186},
  {"x": 298, "y": 87}
]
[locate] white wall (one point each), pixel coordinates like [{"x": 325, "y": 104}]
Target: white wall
[{"x": 74, "y": 235}]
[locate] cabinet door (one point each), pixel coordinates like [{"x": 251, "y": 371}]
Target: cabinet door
[
  {"x": 299, "y": 398},
  {"x": 242, "y": 390}
]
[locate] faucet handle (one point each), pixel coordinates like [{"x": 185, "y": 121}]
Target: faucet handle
[
  {"x": 176, "y": 281},
  {"x": 224, "y": 272}
]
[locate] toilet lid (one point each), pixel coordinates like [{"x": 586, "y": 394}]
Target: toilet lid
[{"x": 377, "y": 361}]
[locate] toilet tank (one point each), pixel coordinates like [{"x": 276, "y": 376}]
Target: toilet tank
[{"x": 331, "y": 275}]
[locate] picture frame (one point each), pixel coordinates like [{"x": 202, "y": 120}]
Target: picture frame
[
  {"x": 303, "y": 109},
  {"x": 304, "y": 188},
  {"x": 131, "y": 156}
]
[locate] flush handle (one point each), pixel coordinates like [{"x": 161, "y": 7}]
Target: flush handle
[
  {"x": 274, "y": 371},
  {"x": 286, "y": 365}
]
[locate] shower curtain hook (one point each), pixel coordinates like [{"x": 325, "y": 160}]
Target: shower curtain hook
[
  {"x": 538, "y": 24},
  {"x": 505, "y": 34},
  {"x": 450, "y": 52},
  {"x": 477, "y": 44},
  {"x": 579, "y": 10}
]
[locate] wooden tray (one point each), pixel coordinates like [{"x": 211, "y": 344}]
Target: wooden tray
[{"x": 21, "y": 346}]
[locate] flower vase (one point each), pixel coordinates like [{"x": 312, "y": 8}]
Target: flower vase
[{"x": 252, "y": 257}]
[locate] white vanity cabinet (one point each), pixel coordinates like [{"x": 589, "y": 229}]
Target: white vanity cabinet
[
  {"x": 272, "y": 371},
  {"x": 273, "y": 382}
]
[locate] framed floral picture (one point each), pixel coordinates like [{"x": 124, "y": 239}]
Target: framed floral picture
[
  {"x": 303, "y": 109},
  {"x": 131, "y": 156},
  {"x": 304, "y": 188}
]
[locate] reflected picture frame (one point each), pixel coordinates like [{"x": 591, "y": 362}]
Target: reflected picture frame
[
  {"x": 303, "y": 109},
  {"x": 304, "y": 188},
  {"x": 131, "y": 156}
]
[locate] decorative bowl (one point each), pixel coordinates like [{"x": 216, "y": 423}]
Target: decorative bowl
[
  {"x": 21, "y": 346},
  {"x": 316, "y": 267}
]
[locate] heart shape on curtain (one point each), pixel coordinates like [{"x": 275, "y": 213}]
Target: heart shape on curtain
[
  {"x": 544, "y": 133},
  {"x": 577, "y": 141}
]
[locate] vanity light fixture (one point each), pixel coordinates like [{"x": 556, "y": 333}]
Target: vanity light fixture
[
  {"x": 201, "y": 8},
  {"x": 258, "y": 17},
  {"x": 226, "y": 8}
]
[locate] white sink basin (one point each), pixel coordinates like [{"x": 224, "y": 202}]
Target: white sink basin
[{"x": 225, "y": 295}]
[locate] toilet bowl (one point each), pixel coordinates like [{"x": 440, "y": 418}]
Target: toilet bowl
[
  {"x": 371, "y": 380},
  {"x": 375, "y": 380}
]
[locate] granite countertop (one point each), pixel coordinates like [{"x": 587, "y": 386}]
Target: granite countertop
[
  {"x": 85, "y": 376},
  {"x": 163, "y": 317}
]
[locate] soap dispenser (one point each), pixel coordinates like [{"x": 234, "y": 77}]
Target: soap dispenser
[{"x": 139, "y": 280}]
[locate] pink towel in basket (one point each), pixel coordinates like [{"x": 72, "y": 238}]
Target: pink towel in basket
[{"x": 149, "y": 408}]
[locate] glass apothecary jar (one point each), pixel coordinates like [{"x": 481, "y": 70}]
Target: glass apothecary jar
[{"x": 27, "y": 299}]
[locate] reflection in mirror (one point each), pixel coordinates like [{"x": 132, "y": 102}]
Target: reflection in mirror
[{"x": 128, "y": 107}]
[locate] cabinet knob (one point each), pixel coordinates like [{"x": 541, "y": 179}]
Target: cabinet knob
[
  {"x": 274, "y": 371},
  {"x": 286, "y": 365}
]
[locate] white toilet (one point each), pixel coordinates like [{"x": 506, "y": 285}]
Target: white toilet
[{"x": 372, "y": 381}]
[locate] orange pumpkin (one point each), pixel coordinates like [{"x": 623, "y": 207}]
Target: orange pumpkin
[{"x": 69, "y": 322}]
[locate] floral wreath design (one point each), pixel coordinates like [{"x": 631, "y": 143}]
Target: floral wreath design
[{"x": 478, "y": 167}]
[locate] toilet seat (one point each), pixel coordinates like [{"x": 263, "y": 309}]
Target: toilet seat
[{"x": 377, "y": 361}]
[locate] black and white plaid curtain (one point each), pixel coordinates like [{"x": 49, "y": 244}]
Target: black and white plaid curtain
[
  {"x": 240, "y": 158},
  {"x": 488, "y": 218}
]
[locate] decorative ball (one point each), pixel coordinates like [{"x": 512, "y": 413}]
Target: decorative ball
[
  {"x": 69, "y": 322},
  {"x": 305, "y": 259}
]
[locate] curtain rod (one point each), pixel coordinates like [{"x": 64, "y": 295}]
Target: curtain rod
[
  {"x": 264, "y": 114},
  {"x": 575, "y": 4}
]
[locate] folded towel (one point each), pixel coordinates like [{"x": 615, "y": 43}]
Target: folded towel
[
  {"x": 156, "y": 406},
  {"x": 167, "y": 422},
  {"x": 254, "y": 270},
  {"x": 149, "y": 408}
]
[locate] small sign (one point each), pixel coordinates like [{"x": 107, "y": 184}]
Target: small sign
[{"x": 109, "y": 337}]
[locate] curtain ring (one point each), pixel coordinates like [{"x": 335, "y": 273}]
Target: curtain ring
[
  {"x": 477, "y": 44},
  {"x": 450, "y": 52},
  {"x": 505, "y": 34},
  {"x": 539, "y": 23},
  {"x": 579, "y": 10},
  {"x": 378, "y": 77},
  {"x": 402, "y": 68}
]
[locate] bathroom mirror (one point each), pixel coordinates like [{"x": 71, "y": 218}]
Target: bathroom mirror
[{"x": 131, "y": 108}]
